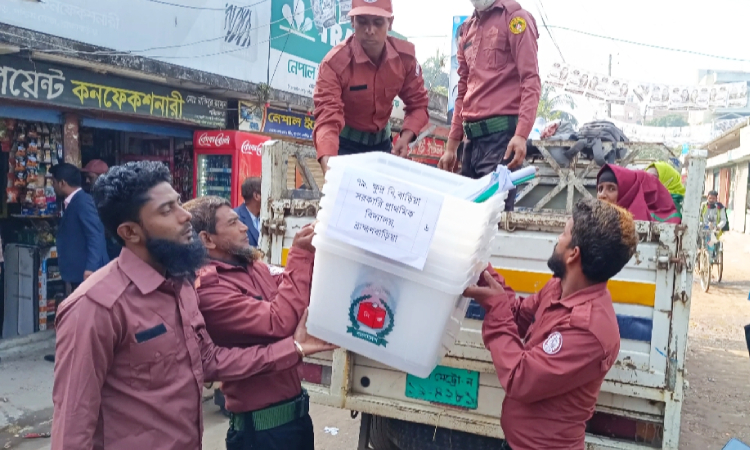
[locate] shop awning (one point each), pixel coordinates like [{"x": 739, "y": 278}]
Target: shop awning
[
  {"x": 31, "y": 114},
  {"x": 137, "y": 127}
]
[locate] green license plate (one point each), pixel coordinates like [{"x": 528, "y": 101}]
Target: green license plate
[{"x": 446, "y": 385}]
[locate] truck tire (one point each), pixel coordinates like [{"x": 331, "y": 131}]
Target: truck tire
[
  {"x": 416, "y": 436},
  {"x": 380, "y": 434}
]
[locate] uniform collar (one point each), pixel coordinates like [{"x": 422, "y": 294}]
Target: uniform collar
[
  {"x": 360, "y": 57},
  {"x": 145, "y": 278},
  {"x": 499, "y": 4},
  {"x": 225, "y": 266},
  {"x": 578, "y": 298}
]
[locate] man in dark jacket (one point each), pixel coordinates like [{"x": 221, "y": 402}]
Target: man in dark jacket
[
  {"x": 249, "y": 211},
  {"x": 81, "y": 246}
]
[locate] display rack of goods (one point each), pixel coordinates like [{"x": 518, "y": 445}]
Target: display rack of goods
[{"x": 33, "y": 148}]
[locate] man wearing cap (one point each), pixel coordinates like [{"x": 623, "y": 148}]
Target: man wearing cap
[
  {"x": 93, "y": 170},
  {"x": 357, "y": 83},
  {"x": 498, "y": 89}
]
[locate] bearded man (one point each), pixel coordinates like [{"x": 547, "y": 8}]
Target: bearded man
[
  {"x": 246, "y": 303},
  {"x": 553, "y": 349},
  {"x": 132, "y": 347}
]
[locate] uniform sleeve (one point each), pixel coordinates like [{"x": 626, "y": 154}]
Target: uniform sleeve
[
  {"x": 524, "y": 49},
  {"x": 457, "y": 124},
  {"x": 523, "y": 309},
  {"x": 87, "y": 335},
  {"x": 415, "y": 98},
  {"x": 531, "y": 375},
  {"x": 329, "y": 111},
  {"x": 93, "y": 230},
  {"x": 233, "y": 317},
  {"x": 232, "y": 364}
]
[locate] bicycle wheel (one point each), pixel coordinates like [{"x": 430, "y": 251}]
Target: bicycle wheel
[
  {"x": 705, "y": 270},
  {"x": 719, "y": 265}
]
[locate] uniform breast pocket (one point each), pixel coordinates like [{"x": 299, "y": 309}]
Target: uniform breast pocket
[
  {"x": 497, "y": 53},
  {"x": 152, "y": 361},
  {"x": 358, "y": 96}
]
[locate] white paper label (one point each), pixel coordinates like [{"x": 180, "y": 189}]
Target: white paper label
[{"x": 386, "y": 216}]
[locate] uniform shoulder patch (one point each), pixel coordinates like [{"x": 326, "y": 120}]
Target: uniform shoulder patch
[
  {"x": 553, "y": 344},
  {"x": 517, "y": 25},
  {"x": 580, "y": 316},
  {"x": 339, "y": 57},
  {"x": 109, "y": 286}
]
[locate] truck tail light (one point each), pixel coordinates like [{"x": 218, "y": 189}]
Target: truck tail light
[
  {"x": 315, "y": 374},
  {"x": 633, "y": 430}
]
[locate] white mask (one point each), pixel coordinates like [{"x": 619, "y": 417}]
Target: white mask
[{"x": 482, "y": 5}]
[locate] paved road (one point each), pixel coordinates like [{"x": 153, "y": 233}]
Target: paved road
[
  {"x": 26, "y": 407},
  {"x": 215, "y": 430}
]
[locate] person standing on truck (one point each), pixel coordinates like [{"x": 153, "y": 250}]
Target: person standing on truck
[
  {"x": 245, "y": 304},
  {"x": 498, "y": 90},
  {"x": 357, "y": 83},
  {"x": 553, "y": 349},
  {"x": 132, "y": 346}
]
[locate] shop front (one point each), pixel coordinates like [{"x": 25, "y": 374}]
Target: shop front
[
  {"x": 223, "y": 159},
  {"x": 50, "y": 113}
]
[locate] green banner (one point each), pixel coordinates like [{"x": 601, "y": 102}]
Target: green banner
[{"x": 295, "y": 32}]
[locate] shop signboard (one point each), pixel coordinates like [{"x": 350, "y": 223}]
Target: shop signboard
[
  {"x": 302, "y": 33},
  {"x": 22, "y": 79},
  {"x": 276, "y": 121},
  {"x": 224, "y": 37}
]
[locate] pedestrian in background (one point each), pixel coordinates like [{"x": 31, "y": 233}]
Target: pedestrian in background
[{"x": 81, "y": 244}]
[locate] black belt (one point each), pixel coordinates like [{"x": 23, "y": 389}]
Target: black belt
[
  {"x": 274, "y": 416},
  {"x": 497, "y": 124},
  {"x": 365, "y": 138}
]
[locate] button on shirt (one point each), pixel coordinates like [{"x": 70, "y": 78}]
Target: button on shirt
[
  {"x": 352, "y": 90},
  {"x": 246, "y": 306},
  {"x": 498, "y": 69},
  {"x": 551, "y": 355},
  {"x": 132, "y": 356}
]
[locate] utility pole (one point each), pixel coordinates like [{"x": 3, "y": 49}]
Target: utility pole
[{"x": 609, "y": 104}]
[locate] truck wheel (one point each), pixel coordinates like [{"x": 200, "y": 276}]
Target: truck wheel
[
  {"x": 380, "y": 434},
  {"x": 416, "y": 436}
]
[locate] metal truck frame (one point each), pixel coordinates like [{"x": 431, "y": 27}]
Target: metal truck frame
[{"x": 642, "y": 392}]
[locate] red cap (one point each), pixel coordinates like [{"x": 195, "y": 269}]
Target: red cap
[
  {"x": 96, "y": 166},
  {"x": 382, "y": 8}
]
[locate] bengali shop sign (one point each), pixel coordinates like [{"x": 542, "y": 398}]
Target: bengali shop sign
[
  {"x": 276, "y": 121},
  {"x": 22, "y": 79}
]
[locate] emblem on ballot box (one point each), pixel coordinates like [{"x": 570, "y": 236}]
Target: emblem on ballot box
[{"x": 371, "y": 314}]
